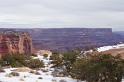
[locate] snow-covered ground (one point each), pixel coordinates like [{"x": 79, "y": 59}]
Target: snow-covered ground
[
  {"x": 105, "y": 48},
  {"x": 30, "y": 77},
  {"x": 44, "y": 76}
]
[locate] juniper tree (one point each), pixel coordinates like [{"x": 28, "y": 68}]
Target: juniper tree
[{"x": 100, "y": 68}]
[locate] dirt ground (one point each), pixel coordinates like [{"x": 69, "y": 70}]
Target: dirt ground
[{"x": 115, "y": 52}]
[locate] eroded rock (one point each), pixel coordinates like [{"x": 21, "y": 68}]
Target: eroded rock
[{"x": 15, "y": 42}]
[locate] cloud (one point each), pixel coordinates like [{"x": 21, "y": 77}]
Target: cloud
[{"x": 63, "y": 13}]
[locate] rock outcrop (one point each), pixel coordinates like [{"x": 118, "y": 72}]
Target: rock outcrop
[{"x": 15, "y": 42}]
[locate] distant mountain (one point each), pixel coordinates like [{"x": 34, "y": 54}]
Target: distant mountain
[
  {"x": 71, "y": 38},
  {"x": 119, "y": 32}
]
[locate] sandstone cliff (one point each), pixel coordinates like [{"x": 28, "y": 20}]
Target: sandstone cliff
[{"x": 15, "y": 42}]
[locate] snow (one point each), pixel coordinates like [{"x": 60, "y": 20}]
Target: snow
[
  {"x": 105, "y": 48},
  {"x": 46, "y": 76},
  {"x": 30, "y": 77}
]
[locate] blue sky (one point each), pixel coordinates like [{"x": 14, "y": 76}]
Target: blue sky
[{"x": 63, "y": 13}]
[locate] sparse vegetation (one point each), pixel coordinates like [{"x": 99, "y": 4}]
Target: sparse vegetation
[
  {"x": 40, "y": 78},
  {"x": 34, "y": 55},
  {"x": 35, "y": 63},
  {"x": 35, "y": 72},
  {"x": 56, "y": 59},
  {"x": 14, "y": 60},
  {"x": 14, "y": 74},
  {"x": 100, "y": 68},
  {"x": 68, "y": 59},
  {"x": 19, "y": 60},
  {"x": 55, "y": 56},
  {"x": 65, "y": 60},
  {"x": 45, "y": 55},
  {"x": 94, "y": 68}
]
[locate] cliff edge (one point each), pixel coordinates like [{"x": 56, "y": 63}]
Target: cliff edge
[{"x": 15, "y": 42}]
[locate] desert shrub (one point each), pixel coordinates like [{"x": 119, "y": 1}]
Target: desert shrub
[
  {"x": 35, "y": 72},
  {"x": 45, "y": 55},
  {"x": 69, "y": 58},
  {"x": 14, "y": 74},
  {"x": 25, "y": 76},
  {"x": 19, "y": 60},
  {"x": 55, "y": 56},
  {"x": 44, "y": 70},
  {"x": 34, "y": 63},
  {"x": 56, "y": 60},
  {"x": 32, "y": 72},
  {"x": 2, "y": 63},
  {"x": 34, "y": 55},
  {"x": 14, "y": 60},
  {"x": 9, "y": 60},
  {"x": 64, "y": 60},
  {"x": 78, "y": 70},
  {"x": 100, "y": 68},
  {"x": 40, "y": 78}
]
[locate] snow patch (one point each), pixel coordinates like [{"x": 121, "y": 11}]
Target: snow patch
[
  {"x": 105, "y": 48},
  {"x": 30, "y": 77}
]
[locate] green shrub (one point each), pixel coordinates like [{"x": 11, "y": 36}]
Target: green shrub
[
  {"x": 14, "y": 60},
  {"x": 34, "y": 55},
  {"x": 100, "y": 68},
  {"x": 35, "y": 63},
  {"x": 55, "y": 56},
  {"x": 57, "y": 60},
  {"x": 19, "y": 60},
  {"x": 14, "y": 74},
  {"x": 40, "y": 78},
  {"x": 69, "y": 58},
  {"x": 45, "y": 55}
]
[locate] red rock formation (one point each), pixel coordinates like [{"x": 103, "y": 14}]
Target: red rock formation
[{"x": 15, "y": 42}]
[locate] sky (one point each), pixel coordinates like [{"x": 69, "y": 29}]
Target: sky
[{"x": 63, "y": 13}]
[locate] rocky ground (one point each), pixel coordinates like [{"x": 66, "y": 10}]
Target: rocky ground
[{"x": 25, "y": 74}]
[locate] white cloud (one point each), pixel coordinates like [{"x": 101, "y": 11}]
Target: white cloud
[{"x": 63, "y": 13}]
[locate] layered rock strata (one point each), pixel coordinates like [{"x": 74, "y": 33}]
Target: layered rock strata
[{"x": 15, "y": 42}]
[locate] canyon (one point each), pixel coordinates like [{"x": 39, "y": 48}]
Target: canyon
[{"x": 62, "y": 39}]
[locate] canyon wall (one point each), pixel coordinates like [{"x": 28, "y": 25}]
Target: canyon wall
[
  {"x": 70, "y": 38},
  {"x": 15, "y": 42}
]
